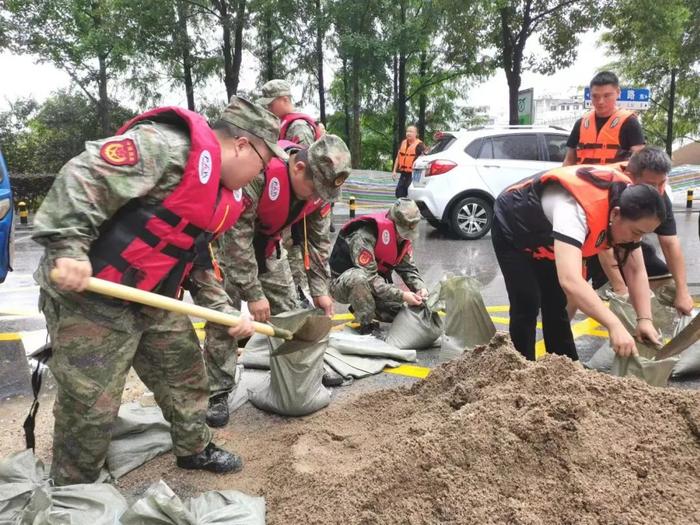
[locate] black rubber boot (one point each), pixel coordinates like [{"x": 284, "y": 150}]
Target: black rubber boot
[
  {"x": 369, "y": 328},
  {"x": 217, "y": 413},
  {"x": 331, "y": 379},
  {"x": 213, "y": 459}
]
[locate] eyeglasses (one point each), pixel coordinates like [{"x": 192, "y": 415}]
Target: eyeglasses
[{"x": 264, "y": 162}]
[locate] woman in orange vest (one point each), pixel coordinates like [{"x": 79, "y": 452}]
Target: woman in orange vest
[
  {"x": 543, "y": 228},
  {"x": 410, "y": 148}
]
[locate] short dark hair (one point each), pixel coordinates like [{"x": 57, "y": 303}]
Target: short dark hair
[
  {"x": 649, "y": 158},
  {"x": 605, "y": 78},
  {"x": 302, "y": 155}
]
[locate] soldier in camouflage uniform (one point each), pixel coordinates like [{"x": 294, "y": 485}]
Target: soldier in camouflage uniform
[
  {"x": 365, "y": 253},
  {"x": 276, "y": 95},
  {"x": 122, "y": 189},
  {"x": 254, "y": 263}
]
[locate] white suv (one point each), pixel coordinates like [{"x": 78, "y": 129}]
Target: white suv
[{"x": 457, "y": 182}]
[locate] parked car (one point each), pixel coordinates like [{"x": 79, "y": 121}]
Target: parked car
[
  {"x": 457, "y": 183},
  {"x": 6, "y": 221}
]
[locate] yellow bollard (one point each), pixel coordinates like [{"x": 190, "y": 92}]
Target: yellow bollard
[
  {"x": 689, "y": 199},
  {"x": 352, "y": 205},
  {"x": 23, "y": 212}
]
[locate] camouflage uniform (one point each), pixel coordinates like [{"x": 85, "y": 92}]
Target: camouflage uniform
[
  {"x": 301, "y": 132},
  {"x": 369, "y": 294},
  {"x": 97, "y": 339},
  {"x": 329, "y": 160}
]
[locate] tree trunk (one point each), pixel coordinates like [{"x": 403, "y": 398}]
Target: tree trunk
[
  {"x": 512, "y": 50},
  {"x": 103, "y": 104},
  {"x": 238, "y": 45},
  {"x": 225, "y": 18},
  {"x": 356, "y": 135},
  {"x": 401, "y": 98},
  {"x": 269, "y": 50},
  {"x": 422, "y": 97},
  {"x": 319, "y": 64},
  {"x": 671, "y": 104},
  {"x": 183, "y": 41},
  {"x": 396, "y": 138},
  {"x": 346, "y": 99}
]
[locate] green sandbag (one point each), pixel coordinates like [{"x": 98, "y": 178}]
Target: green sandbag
[
  {"x": 417, "y": 327},
  {"x": 161, "y": 506},
  {"x": 467, "y": 323},
  {"x": 655, "y": 373},
  {"x": 28, "y": 498}
]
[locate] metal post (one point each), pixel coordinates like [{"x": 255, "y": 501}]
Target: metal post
[
  {"x": 352, "y": 205},
  {"x": 23, "y": 212},
  {"x": 689, "y": 201}
]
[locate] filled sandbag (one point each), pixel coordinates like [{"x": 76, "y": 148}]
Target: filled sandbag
[
  {"x": 294, "y": 386},
  {"x": 467, "y": 323},
  {"x": 415, "y": 327},
  {"x": 256, "y": 353},
  {"x": 161, "y": 506}
]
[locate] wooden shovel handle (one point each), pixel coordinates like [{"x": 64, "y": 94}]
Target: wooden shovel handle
[{"x": 155, "y": 300}]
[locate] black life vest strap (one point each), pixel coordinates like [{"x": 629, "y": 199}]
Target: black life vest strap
[{"x": 42, "y": 356}]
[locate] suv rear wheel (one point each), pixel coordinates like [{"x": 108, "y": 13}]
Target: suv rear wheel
[{"x": 471, "y": 218}]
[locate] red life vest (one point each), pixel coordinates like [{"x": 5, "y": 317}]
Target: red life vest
[
  {"x": 407, "y": 155},
  {"x": 601, "y": 146},
  {"x": 387, "y": 251},
  {"x": 287, "y": 120},
  {"x": 274, "y": 212},
  {"x": 153, "y": 247},
  {"x": 520, "y": 207}
]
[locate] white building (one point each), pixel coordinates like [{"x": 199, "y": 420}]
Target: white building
[{"x": 559, "y": 109}]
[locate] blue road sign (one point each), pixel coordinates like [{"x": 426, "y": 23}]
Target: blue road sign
[{"x": 630, "y": 98}]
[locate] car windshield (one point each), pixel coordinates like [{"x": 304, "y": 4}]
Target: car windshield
[
  {"x": 2, "y": 168},
  {"x": 442, "y": 144}
]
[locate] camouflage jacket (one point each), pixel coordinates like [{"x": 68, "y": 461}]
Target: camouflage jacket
[
  {"x": 301, "y": 132},
  {"x": 236, "y": 253},
  {"x": 88, "y": 191},
  {"x": 361, "y": 243}
]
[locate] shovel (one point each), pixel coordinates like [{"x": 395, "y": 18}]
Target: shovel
[
  {"x": 687, "y": 337},
  {"x": 311, "y": 329}
]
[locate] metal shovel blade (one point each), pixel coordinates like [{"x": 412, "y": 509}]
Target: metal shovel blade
[
  {"x": 308, "y": 328},
  {"x": 687, "y": 337}
]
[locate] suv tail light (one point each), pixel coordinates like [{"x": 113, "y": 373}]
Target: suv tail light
[{"x": 438, "y": 167}]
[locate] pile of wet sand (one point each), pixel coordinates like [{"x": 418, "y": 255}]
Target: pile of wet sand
[{"x": 491, "y": 438}]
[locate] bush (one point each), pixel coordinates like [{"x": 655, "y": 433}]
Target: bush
[{"x": 31, "y": 188}]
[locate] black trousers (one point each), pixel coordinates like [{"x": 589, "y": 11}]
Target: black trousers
[
  {"x": 532, "y": 284},
  {"x": 403, "y": 184},
  {"x": 654, "y": 264}
]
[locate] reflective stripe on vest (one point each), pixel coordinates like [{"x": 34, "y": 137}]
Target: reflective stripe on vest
[
  {"x": 590, "y": 186},
  {"x": 386, "y": 249},
  {"x": 153, "y": 247},
  {"x": 601, "y": 146},
  {"x": 407, "y": 155},
  {"x": 287, "y": 120}
]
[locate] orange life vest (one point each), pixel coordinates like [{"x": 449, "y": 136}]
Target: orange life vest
[
  {"x": 407, "y": 155},
  {"x": 601, "y": 146},
  {"x": 519, "y": 208}
]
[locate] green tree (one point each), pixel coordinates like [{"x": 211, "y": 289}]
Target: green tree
[
  {"x": 664, "y": 55},
  {"x": 91, "y": 40}
]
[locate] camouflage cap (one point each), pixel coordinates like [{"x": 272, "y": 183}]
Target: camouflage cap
[
  {"x": 329, "y": 162},
  {"x": 256, "y": 120},
  {"x": 406, "y": 217},
  {"x": 273, "y": 89}
]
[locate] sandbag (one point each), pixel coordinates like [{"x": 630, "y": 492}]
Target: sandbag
[
  {"x": 355, "y": 366},
  {"x": 689, "y": 360},
  {"x": 160, "y": 506},
  {"x": 27, "y": 497},
  {"x": 655, "y": 373},
  {"x": 256, "y": 353},
  {"x": 367, "y": 346},
  {"x": 415, "y": 327},
  {"x": 294, "y": 386},
  {"x": 467, "y": 323},
  {"x": 139, "y": 434}
]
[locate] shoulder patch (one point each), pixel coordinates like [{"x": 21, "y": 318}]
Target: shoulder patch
[
  {"x": 325, "y": 210},
  {"x": 365, "y": 258},
  {"x": 120, "y": 152}
]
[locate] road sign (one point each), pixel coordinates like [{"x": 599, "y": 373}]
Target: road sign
[
  {"x": 525, "y": 106},
  {"x": 630, "y": 98}
]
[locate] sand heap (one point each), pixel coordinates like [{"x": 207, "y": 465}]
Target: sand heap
[{"x": 491, "y": 438}]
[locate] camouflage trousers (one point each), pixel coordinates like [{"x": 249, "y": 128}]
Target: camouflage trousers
[
  {"x": 90, "y": 363},
  {"x": 220, "y": 349},
  {"x": 354, "y": 287}
]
